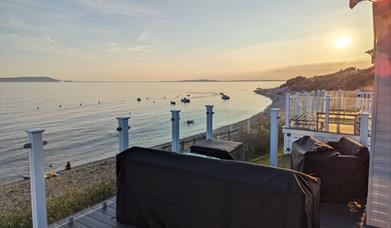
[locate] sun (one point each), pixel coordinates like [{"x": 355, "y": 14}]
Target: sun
[{"x": 343, "y": 42}]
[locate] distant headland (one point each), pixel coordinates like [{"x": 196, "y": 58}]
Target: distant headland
[{"x": 29, "y": 79}]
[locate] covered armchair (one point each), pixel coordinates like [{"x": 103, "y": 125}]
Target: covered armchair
[{"x": 342, "y": 167}]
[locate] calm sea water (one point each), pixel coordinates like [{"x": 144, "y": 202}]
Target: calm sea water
[{"x": 82, "y": 130}]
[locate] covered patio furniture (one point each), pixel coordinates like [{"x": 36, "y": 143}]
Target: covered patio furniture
[
  {"x": 166, "y": 189},
  {"x": 223, "y": 149},
  {"x": 342, "y": 167}
]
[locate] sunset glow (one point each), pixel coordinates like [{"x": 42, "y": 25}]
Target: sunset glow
[
  {"x": 343, "y": 42},
  {"x": 151, "y": 40}
]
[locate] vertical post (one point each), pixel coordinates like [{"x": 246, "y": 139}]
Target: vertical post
[
  {"x": 327, "y": 114},
  {"x": 297, "y": 105},
  {"x": 209, "y": 122},
  {"x": 312, "y": 102},
  {"x": 123, "y": 133},
  {"x": 305, "y": 102},
  {"x": 287, "y": 110},
  {"x": 364, "y": 117},
  {"x": 175, "y": 131},
  {"x": 319, "y": 102},
  {"x": 273, "y": 136},
  {"x": 322, "y": 100},
  {"x": 37, "y": 182},
  {"x": 358, "y": 98},
  {"x": 339, "y": 99}
]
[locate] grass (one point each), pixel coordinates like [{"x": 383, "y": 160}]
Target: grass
[
  {"x": 283, "y": 160},
  {"x": 71, "y": 201}
]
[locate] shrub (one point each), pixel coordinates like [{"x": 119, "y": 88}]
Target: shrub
[{"x": 71, "y": 201}]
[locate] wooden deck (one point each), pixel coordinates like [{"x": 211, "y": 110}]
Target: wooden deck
[
  {"x": 332, "y": 215},
  {"x": 101, "y": 215}
]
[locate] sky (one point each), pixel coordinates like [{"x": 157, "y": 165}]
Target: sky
[{"x": 112, "y": 40}]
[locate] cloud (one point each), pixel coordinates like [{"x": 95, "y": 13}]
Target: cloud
[
  {"x": 143, "y": 37},
  {"x": 19, "y": 24},
  {"x": 311, "y": 69},
  {"x": 141, "y": 48},
  {"x": 119, "y": 8},
  {"x": 51, "y": 40}
]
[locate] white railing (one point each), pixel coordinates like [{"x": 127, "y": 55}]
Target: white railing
[
  {"x": 36, "y": 157},
  {"x": 316, "y": 110}
]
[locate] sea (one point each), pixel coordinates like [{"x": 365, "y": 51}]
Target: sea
[{"x": 79, "y": 118}]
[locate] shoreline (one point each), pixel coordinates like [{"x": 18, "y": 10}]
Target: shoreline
[{"x": 81, "y": 177}]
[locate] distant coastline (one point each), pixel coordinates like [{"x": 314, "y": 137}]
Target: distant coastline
[
  {"x": 29, "y": 79},
  {"x": 48, "y": 79}
]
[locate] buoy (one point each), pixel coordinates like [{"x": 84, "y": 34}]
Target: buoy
[
  {"x": 80, "y": 104},
  {"x": 37, "y": 107}
]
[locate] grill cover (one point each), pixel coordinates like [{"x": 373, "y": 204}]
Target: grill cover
[{"x": 166, "y": 189}]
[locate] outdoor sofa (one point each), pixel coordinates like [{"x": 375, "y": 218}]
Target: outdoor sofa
[
  {"x": 166, "y": 189},
  {"x": 342, "y": 167}
]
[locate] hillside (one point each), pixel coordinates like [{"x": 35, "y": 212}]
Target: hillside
[
  {"x": 347, "y": 79},
  {"x": 29, "y": 79}
]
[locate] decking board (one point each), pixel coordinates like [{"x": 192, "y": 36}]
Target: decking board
[{"x": 332, "y": 215}]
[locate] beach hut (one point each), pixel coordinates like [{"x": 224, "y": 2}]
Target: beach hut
[{"x": 379, "y": 187}]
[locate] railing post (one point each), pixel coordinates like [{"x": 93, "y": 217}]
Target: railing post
[
  {"x": 274, "y": 136},
  {"x": 358, "y": 96},
  {"x": 305, "y": 102},
  {"x": 312, "y": 102},
  {"x": 175, "y": 131},
  {"x": 339, "y": 99},
  {"x": 209, "y": 122},
  {"x": 287, "y": 110},
  {"x": 37, "y": 181},
  {"x": 327, "y": 114},
  {"x": 123, "y": 133},
  {"x": 364, "y": 117},
  {"x": 319, "y": 102},
  {"x": 297, "y": 104}
]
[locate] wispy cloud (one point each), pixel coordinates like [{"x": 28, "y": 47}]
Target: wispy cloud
[
  {"x": 120, "y": 7},
  {"x": 141, "y": 49},
  {"x": 51, "y": 40},
  {"x": 14, "y": 23},
  {"x": 143, "y": 37}
]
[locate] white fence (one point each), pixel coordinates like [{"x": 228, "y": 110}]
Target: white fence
[
  {"x": 328, "y": 116},
  {"x": 328, "y": 111}
]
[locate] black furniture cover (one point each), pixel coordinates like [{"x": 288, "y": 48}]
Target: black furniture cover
[
  {"x": 165, "y": 189},
  {"x": 214, "y": 148},
  {"x": 304, "y": 146},
  {"x": 343, "y": 169}
]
